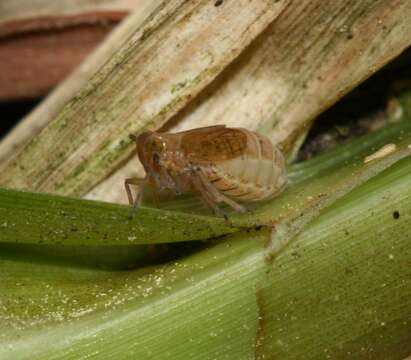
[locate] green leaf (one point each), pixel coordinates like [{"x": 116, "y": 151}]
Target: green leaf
[
  {"x": 340, "y": 288},
  {"x": 49, "y": 219}
]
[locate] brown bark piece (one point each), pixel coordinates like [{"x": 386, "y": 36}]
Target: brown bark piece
[{"x": 36, "y": 54}]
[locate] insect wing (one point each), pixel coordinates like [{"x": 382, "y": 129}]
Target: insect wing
[{"x": 214, "y": 144}]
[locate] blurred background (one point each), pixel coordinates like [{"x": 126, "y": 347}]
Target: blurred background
[{"x": 41, "y": 44}]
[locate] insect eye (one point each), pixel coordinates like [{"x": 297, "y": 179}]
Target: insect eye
[{"x": 159, "y": 146}]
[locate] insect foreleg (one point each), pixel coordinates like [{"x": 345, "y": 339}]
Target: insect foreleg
[
  {"x": 153, "y": 181},
  {"x": 133, "y": 181},
  {"x": 138, "y": 182}
]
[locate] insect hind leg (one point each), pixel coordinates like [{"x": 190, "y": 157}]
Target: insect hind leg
[
  {"x": 218, "y": 196},
  {"x": 206, "y": 196}
]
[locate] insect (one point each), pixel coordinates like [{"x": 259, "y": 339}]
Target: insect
[{"x": 221, "y": 164}]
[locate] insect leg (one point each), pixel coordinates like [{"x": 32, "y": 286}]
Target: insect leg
[
  {"x": 169, "y": 181},
  {"x": 206, "y": 196},
  {"x": 218, "y": 196},
  {"x": 133, "y": 181},
  {"x": 137, "y": 200},
  {"x": 212, "y": 204},
  {"x": 153, "y": 181}
]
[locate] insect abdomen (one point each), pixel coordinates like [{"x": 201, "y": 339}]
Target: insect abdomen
[{"x": 259, "y": 174}]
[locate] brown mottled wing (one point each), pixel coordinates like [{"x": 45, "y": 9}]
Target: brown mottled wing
[{"x": 213, "y": 144}]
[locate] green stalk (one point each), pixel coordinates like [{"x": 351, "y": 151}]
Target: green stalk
[{"x": 340, "y": 290}]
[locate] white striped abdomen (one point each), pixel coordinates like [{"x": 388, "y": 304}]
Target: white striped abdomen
[{"x": 258, "y": 174}]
